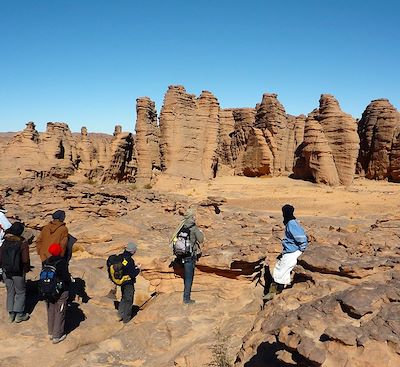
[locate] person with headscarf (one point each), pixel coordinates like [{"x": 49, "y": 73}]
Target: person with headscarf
[
  {"x": 15, "y": 262},
  {"x": 196, "y": 237},
  {"x": 54, "y": 232},
  {"x": 294, "y": 244}
]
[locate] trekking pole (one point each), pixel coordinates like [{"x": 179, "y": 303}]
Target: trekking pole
[{"x": 151, "y": 297}]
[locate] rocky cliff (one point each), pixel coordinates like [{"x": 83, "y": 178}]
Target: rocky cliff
[
  {"x": 147, "y": 142},
  {"x": 194, "y": 138},
  {"x": 379, "y": 130},
  {"x": 329, "y": 151},
  {"x": 189, "y": 129}
]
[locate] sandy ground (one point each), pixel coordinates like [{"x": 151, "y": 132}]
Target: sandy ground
[{"x": 365, "y": 199}]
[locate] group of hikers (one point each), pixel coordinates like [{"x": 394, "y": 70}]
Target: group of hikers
[{"x": 53, "y": 245}]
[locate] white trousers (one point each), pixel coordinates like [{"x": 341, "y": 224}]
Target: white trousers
[{"x": 284, "y": 267}]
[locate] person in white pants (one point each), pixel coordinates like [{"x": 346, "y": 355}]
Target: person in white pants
[{"x": 294, "y": 244}]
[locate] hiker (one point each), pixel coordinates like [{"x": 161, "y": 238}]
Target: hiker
[
  {"x": 186, "y": 246},
  {"x": 54, "y": 288},
  {"x": 15, "y": 262},
  {"x": 294, "y": 244},
  {"x": 54, "y": 232},
  {"x": 123, "y": 271}
]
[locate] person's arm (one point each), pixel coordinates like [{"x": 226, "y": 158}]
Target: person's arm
[
  {"x": 26, "y": 262},
  {"x": 198, "y": 234},
  {"x": 64, "y": 240},
  {"x": 298, "y": 235}
]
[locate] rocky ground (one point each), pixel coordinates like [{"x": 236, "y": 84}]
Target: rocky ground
[{"x": 343, "y": 308}]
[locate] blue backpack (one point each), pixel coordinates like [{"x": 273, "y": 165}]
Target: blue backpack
[{"x": 50, "y": 287}]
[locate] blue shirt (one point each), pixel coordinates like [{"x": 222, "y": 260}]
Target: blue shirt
[{"x": 295, "y": 238}]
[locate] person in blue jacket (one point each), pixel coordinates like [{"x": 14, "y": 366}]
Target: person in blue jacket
[{"x": 294, "y": 244}]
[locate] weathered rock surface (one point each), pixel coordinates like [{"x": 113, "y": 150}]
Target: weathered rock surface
[
  {"x": 342, "y": 307},
  {"x": 147, "y": 141},
  {"x": 379, "y": 130},
  {"x": 189, "y": 133},
  {"x": 330, "y": 148},
  {"x": 196, "y": 139}
]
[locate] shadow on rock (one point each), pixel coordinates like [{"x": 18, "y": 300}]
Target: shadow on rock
[
  {"x": 74, "y": 317},
  {"x": 78, "y": 290},
  {"x": 32, "y": 295},
  {"x": 267, "y": 356}
]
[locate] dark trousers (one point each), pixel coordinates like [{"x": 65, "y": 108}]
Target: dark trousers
[
  {"x": 16, "y": 289},
  {"x": 188, "y": 265},
  {"x": 125, "y": 306},
  {"x": 56, "y": 315}
]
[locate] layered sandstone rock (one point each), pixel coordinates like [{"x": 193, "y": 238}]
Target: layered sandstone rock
[
  {"x": 329, "y": 151},
  {"x": 272, "y": 120},
  {"x": 379, "y": 130},
  {"x": 122, "y": 165},
  {"x": 267, "y": 145},
  {"x": 189, "y": 133},
  {"x": 23, "y": 154},
  {"x": 147, "y": 140},
  {"x": 244, "y": 123},
  {"x": 227, "y": 128}
]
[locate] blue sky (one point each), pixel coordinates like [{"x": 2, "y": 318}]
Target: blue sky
[{"x": 85, "y": 62}]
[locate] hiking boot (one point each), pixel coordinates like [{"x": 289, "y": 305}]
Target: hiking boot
[
  {"x": 60, "y": 339},
  {"x": 11, "y": 316},
  {"x": 21, "y": 317},
  {"x": 189, "y": 301},
  {"x": 273, "y": 289}
]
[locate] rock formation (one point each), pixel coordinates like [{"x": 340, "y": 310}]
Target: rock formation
[
  {"x": 329, "y": 151},
  {"x": 122, "y": 165},
  {"x": 244, "y": 123},
  {"x": 379, "y": 130},
  {"x": 189, "y": 133},
  {"x": 195, "y": 139},
  {"x": 147, "y": 140}
]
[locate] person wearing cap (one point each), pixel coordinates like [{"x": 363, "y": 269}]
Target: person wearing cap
[
  {"x": 54, "y": 232},
  {"x": 196, "y": 237},
  {"x": 56, "y": 309},
  {"x": 15, "y": 261},
  {"x": 294, "y": 244},
  {"x": 131, "y": 271}
]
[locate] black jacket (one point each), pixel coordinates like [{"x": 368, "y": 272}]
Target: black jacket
[{"x": 130, "y": 268}]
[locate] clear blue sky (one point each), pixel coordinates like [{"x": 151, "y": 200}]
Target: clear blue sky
[{"x": 85, "y": 62}]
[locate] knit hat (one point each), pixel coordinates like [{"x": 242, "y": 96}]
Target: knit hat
[
  {"x": 131, "y": 247},
  {"x": 59, "y": 214},
  {"x": 189, "y": 214},
  {"x": 16, "y": 229},
  {"x": 55, "y": 249}
]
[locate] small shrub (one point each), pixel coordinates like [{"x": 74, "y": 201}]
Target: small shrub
[
  {"x": 219, "y": 351},
  {"x": 147, "y": 186},
  {"x": 133, "y": 187},
  {"x": 90, "y": 181}
]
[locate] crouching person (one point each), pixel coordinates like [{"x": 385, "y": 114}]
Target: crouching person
[
  {"x": 294, "y": 244},
  {"x": 123, "y": 271},
  {"x": 53, "y": 285}
]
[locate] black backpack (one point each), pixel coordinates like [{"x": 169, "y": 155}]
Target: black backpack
[
  {"x": 182, "y": 246},
  {"x": 50, "y": 287},
  {"x": 115, "y": 268},
  {"x": 11, "y": 259}
]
